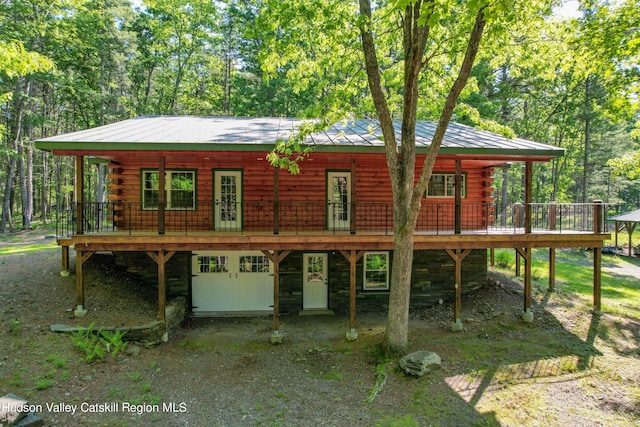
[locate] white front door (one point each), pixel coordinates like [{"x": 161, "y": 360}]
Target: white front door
[
  {"x": 315, "y": 288},
  {"x": 231, "y": 281},
  {"x": 228, "y": 200},
  {"x": 339, "y": 203}
]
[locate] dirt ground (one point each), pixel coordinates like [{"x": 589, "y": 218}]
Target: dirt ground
[{"x": 569, "y": 367}]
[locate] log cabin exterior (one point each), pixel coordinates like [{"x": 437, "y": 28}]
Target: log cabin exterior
[{"x": 235, "y": 235}]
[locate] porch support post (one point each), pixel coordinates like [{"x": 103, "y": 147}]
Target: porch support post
[
  {"x": 458, "y": 255},
  {"x": 81, "y": 258},
  {"x": 527, "y": 315},
  {"x": 161, "y": 258},
  {"x": 352, "y": 212},
  {"x": 276, "y": 200},
  {"x": 517, "y": 263},
  {"x": 352, "y": 256},
  {"x": 528, "y": 195},
  {"x": 162, "y": 195},
  {"x": 552, "y": 269},
  {"x": 492, "y": 256},
  {"x": 275, "y": 257},
  {"x": 79, "y": 194},
  {"x": 458, "y": 197}
]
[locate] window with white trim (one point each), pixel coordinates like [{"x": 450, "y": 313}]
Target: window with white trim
[
  {"x": 376, "y": 271},
  {"x": 180, "y": 188},
  {"x": 254, "y": 264},
  {"x": 213, "y": 264},
  {"x": 443, "y": 185}
]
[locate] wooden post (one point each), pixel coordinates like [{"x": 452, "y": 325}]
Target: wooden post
[
  {"x": 528, "y": 195},
  {"x": 81, "y": 258},
  {"x": 79, "y": 281},
  {"x": 552, "y": 269},
  {"x": 630, "y": 226},
  {"x": 276, "y": 200},
  {"x": 276, "y": 257},
  {"x": 79, "y": 194},
  {"x": 597, "y": 280},
  {"x": 597, "y": 255},
  {"x": 527, "y": 315},
  {"x": 161, "y": 259},
  {"x": 517, "y": 263},
  {"x": 492, "y": 256},
  {"x": 162, "y": 195},
  {"x": 457, "y": 255},
  {"x": 352, "y": 256},
  {"x": 65, "y": 261},
  {"x": 352, "y": 213},
  {"x": 458, "y": 196},
  {"x": 552, "y": 215}
]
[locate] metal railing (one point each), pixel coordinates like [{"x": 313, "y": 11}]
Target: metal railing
[{"x": 306, "y": 217}]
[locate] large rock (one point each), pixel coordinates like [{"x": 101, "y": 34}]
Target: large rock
[{"x": 420, "y": 363}]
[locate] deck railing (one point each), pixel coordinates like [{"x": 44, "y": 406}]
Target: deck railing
[{"x": 307, "y": 217}]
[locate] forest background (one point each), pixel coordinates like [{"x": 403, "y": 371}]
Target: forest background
[{"x": 67, "y": 65}]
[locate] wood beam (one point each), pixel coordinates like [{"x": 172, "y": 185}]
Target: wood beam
[{"x": 65, "y": 259}]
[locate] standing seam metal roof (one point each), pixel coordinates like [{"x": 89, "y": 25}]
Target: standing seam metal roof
[{"x": 220, "y": 133}]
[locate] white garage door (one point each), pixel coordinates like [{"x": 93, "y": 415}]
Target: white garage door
[{"x": 228, "y": 282}]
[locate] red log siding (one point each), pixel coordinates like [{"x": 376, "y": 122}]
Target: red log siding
[{"x": 373, "y": 191}]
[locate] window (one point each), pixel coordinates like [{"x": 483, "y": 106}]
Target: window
[
  {"x": 179, "y": 187},
  {"x": 376, "y": 271},
  {"x": 213, "y": 264},
  {"x": 443, "y": 185},
  {"x": 254, "y": 264}
]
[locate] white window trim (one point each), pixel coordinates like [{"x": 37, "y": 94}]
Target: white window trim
[
  {"x": 364, "y": 271},
  {"x": 449, "y": 177}
]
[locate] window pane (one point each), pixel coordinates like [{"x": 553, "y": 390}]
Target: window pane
[
  {"x": 228, "y": 198},
  {"x": 376, "y": 271},
  {"x": 340, "y": 198},
  {"x": 436, "y": 186},
  {"x": 150, "y": 190},
  {"x": 315, "y": 268},
  {"x": 213, "y": 264},
  {"x": 182, "y": 190},
  {"x": 254, "y": 264}
]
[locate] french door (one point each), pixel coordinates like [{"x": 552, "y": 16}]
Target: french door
[
  {"x": 228, "y": 200},
  {"x": 339, "y": 200}
]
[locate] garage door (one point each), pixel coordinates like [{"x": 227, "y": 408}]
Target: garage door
[{"x": 228, "y": 282}]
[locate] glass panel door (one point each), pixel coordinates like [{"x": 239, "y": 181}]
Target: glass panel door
[
  {"x": 315, "y": 289},
  {"x": 339, "y": 203},
  {"x": 228, "y": 200}
]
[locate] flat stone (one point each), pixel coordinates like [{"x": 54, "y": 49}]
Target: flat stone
[{"x": 420, "y": 363}]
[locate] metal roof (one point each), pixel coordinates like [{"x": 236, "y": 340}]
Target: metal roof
[
  {"x": 182, "y": 133},
  {"x": 632, "y": 216}
]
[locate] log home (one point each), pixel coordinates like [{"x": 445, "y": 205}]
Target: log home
[{"x": 196, "y": 198}]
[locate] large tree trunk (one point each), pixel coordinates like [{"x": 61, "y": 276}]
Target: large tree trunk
[{"x": 401, "y": 159}]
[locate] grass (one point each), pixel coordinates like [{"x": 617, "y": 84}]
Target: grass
[{"x": 25, "y": 249}]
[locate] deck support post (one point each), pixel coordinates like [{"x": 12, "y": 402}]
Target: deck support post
[
  {"x": 81, "y": 258},
  {"x": 161, "y": 258},
  {"x": 528, "y": 195},
  {"x": 352, "y": 256},
  {"x": 598, "y": 221},
  {"x": 525, "y": 253},
  {"x": 492, "y": 256},
  {"x": 353, "y": 192},
  {"x": 275, "y": 257},
  {"x": 457, "y": 255},
  {"x": 64, "y": 272},
  {"x": 552, "y": 269},
  {"x": 517, "y": 263}
]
